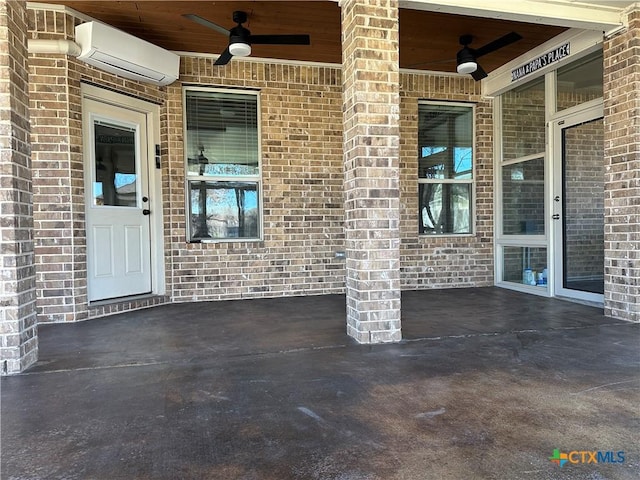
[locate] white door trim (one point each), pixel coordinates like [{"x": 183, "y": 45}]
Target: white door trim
[{"x": 152, "y": 112}]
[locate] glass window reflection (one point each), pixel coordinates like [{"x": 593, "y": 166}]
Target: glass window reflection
[{"x": 116, "y": 179}]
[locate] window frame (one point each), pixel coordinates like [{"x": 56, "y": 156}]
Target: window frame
[
  {"x": 212, "y": 178},
  {"x": 438, "y": 181}
]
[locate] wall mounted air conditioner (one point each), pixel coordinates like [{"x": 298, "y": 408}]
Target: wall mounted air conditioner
[{"x": 115, "y": 51}]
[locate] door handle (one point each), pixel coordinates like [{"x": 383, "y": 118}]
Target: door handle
[
  {"x": 146, "y": 211},
  {"x": 556, "y": 216}
]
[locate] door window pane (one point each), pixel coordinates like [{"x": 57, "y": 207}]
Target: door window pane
[
  {"x": 523, "y": 120},
  {"x": 523, "y": 198},
  {"x": 116, "y": 179},
  {"x": 580, "y": 81}
]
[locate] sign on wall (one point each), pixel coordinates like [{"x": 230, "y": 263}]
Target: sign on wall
[{"x": 543, "y": 60}]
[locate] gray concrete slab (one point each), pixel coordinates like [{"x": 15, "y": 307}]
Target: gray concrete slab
[{"x": 486, "y": 385}]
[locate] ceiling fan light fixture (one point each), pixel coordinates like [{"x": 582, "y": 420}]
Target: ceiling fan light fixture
[
  {"x": 466, "y": 61},
  {"x": 240, "y": 49},
  {"x": 467, "y": 67}
]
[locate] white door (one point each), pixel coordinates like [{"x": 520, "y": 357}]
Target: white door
[
  {"x": 578, "y": 206},
  {"x": 117, "y": 203}
]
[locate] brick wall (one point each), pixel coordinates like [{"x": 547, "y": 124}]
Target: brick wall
[
  {"x": 448, "y": 261},
  {"x": 622, "y": 171},
  {"x": 18, "y": 331},
  {"x": 56, "y": 252},
  {"x": 303, "y": 193},
  {"x": 303, "y": 211},
  {"x": 302, "y": 188}
]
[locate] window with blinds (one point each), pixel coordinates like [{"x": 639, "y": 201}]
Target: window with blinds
[
  {"x": 445, "y": 168},
  {"x": 221, "y": 138}
]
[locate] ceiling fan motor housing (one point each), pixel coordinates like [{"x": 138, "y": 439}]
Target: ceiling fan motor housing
[
  {"x": 239, "y": 45},
  {"x": 466, "y": 61}
]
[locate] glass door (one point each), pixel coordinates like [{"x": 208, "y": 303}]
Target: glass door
[{"x": 578, "y": 206}]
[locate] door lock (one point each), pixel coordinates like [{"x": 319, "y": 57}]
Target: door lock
[
  {"x": 556, "y": 216},
  {"x": 146, "y": 211},
  {"x": 556, "y": 198},
  {"x": 145, "y": 199}
]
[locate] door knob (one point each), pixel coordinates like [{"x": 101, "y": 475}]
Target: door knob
[{"x": 146, "y": 211}]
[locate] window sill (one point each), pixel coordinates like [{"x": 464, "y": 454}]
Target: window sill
[
  {"x": 226, "y": 241},
  {"x": 446, "y": 235}
]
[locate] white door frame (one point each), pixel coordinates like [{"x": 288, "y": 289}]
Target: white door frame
[
  {"x": 152, "y": 113},
  {"x": 574, "y": 116}
]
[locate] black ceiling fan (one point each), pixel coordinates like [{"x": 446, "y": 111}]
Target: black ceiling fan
[
  {"x": 466, "y": 58},
  {"x": 240, "y": 38}
]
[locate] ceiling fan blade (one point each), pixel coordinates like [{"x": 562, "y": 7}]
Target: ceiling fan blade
[
  {"x": 503, "y": 41},
  {"x": 224, "y": 57},
  {"x": 280, "y": 39},
  {"x": 479, "y": 74},
  {"x": 206, "y": 23}
]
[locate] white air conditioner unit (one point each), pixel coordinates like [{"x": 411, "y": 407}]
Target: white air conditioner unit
[{"x": 115, "y": 51}]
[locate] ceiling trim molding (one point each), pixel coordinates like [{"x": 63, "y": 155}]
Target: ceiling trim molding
[{"x": 561, "y": 13}]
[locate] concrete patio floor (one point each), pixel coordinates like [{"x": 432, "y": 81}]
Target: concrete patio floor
[{"x": 486, "y": 384}]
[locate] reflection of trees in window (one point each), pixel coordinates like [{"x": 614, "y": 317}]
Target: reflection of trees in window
[
  {"x": 224, "y": 210},
  {"x": 437, "y": 162},
  {"x": 445, "y": 207}
]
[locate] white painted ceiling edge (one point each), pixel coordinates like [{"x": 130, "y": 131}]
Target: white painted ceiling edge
[{"x": 603, "y": 15}]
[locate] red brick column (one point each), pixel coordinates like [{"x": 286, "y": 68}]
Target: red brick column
[
  {"x": 18, "y": 330},
  {"x": 622, "y": 172},
  {"x": 371, "y": 168}
]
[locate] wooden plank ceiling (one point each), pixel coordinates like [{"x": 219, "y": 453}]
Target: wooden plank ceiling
[{"x": 428, "y": 41}]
